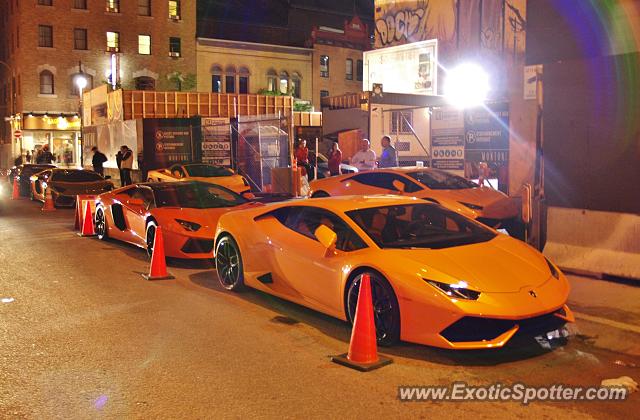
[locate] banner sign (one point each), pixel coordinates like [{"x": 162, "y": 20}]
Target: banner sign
[
  {"x": 216, "y": 141},
  {"x": 487, "y": 133},
  {"x": 447, "y": 140},
  {"x": 166, "y": 141}
]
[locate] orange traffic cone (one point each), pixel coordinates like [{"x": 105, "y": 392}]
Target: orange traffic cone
[
  {"x": 15, "y": 195},
  {"x": 48, "y": 201},
  {"x": 363, "y": 348},
  {"x": 77, "y": 223},
  {"x": 87, "y": 222},
  {"x": 158, "y": 269}
]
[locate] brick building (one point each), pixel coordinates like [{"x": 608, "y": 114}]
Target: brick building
[{"x": 45, "y": 44}]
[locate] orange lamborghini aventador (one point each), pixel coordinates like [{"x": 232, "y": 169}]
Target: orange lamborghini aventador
[
  {"x": 187, "y": 211},
  {"x": 485, "y": 204},
  {"x": 438, "y": 278}
]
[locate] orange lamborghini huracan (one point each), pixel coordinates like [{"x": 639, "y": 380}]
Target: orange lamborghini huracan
[
  {"x": 485, "y": 204},
  {"x": 187, "y": 211},
  {"x": 438, "y": 278}
]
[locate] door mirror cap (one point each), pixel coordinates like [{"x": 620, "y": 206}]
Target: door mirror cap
[
  {"x": 398, "y": 185},
  {"x": 326, "y": 237},
  {"x": 248, "y": 195}
]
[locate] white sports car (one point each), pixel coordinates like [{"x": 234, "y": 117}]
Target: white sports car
[{"x": 201, "y": 172}]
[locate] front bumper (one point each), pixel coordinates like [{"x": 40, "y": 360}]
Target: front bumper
[{"x": 188, "y": 245}]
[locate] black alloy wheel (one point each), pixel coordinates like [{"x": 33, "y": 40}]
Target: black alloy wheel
[
  {"x": 101, "y": 224},
  {"x": 151, "y": 237},
  {"x": 229, "y": 264},
  {"x": 386, "y": 310}
]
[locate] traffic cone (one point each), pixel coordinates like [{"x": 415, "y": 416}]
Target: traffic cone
[
  {"x": 77, "y": 223},
  {"x": 158, "y": 269},
  {"x": 87, "y": 222},
  {"x": 363, "y": 348},
  {"x": 48, "y": 201},
  {"x": 15, "y": 195}
]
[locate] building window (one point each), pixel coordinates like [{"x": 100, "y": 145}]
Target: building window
[
  {"x": 284, "y": 82},
  {"x": 296, "y": 85},
  {"x": 324, "y": 93},
  {"x": 74, "y": 84},
  {"x": 174, "y": 9},
  {"x": 216, "y": 83},
  {"x": 349, "y": 69},
  {"x": 113, "y": 41},
  {"x": 113, "y": 6},
  {"x": 45, "y": 36},
  {"x": 79, "y": 4},
  {"x": 144, "y": 7},
  {"x": 145, "y": 83},
  {"x": 272, "y": 78},
  {"x": 401, "y": 122},
  {"x": 45, "y": 2},
  {"x": 144, "y": 44},
  {"x": 324, "y": 66},
  {"x": 174, "y": 47},
  {"x": 46, "y": 82},
  {"x": 243, "y": 80},
  {"x": 230, "y": 83},
  {"x": 80, "y": 39},
  {"x": 359, "y": 70}
]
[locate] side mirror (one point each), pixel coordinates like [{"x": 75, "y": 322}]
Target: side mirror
[
  {"x": 139, "y": 202},
  {"x": 398, "y": 185},
  {"x": 326, "y": 237},
  {"x": 248, "y": 195}
]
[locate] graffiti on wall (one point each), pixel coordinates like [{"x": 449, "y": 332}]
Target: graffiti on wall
[{"x": 402, "y": 25}]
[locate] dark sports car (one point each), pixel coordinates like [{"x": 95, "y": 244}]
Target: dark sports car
[
  {"x": 67, "y": 184},
  {"x": 24, "y": 173}
]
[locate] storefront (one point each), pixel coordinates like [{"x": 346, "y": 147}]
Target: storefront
[{"x": 61, "y": 132}]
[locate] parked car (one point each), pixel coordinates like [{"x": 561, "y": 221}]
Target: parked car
[
  {"x": 23, "y": 173},
  {"x": 187, "y": 211},
  {"x": 218, "y": 175},
  {"x": 67, "y": 184},
  {"x": 438, "y": 278}
]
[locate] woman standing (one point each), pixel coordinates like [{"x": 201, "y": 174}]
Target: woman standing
[
  {"x": 335, "y": 159},
  {"x": 302, "y": 156}
]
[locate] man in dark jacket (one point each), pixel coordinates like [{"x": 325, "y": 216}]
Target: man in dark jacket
[
  {"x": 45, "y": 156},
  {"x": 98, "y": 160}
]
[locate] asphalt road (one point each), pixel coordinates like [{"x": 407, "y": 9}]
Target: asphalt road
[{"x": 84, "y": 336}]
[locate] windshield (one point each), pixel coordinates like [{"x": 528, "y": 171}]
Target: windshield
[
  {"x": 32, "y": 169},
  {"x": 207, "y": 171},
  {"x": 75, "y": 176},
  {"x": 419, "y": 226},
  {"x": 196, "y": 196},
  {"x": 441, "y": 180}
]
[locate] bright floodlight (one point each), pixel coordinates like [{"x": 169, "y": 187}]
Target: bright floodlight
[
  {"x": 466, "y": 86},
  {"x": 81, "y": 82}
]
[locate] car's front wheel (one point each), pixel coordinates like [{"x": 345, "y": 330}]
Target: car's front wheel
[
  {"x": 151, "y": 236},
  {"x": 386, "y": 310},
  {"x": 101, "y": 224},
  {"x": 229, "y": 264}
]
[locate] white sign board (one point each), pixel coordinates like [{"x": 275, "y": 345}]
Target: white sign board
[
  {"x": 216, "y": 141},
  {"x": 447, "y": 140},
  {"x": 410, "y": 68},
  {"x": 530, "y": 78}
]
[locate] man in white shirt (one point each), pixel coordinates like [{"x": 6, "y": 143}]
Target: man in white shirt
[{"x": 365, "y": 158}]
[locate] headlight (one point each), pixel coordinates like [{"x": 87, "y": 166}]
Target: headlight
[
  {"x": 554, "y": 271},
  {"x": 471, "y": 206},
  {"x": 457, "y": 291},
  {"x": 190, "y": 226}
]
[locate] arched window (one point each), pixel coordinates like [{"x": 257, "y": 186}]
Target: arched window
[
  {"x": 284, "y": 82},
  {"x": 296, "y": 84},
  {"x": 216, "y": 79},
  {"x": 145, "y": 83},
  {"x": 272, "y": 80},
  {"x": 230, "y": 79},
  {"x": 74, "y": 83},
  {"x": 46, "y": 82},
  {"x": 243, "y": 80}
]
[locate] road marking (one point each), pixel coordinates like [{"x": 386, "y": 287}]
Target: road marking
[{"x": 609, "y": 322}]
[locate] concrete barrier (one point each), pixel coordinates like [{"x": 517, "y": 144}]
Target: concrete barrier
[{"x": 598, "y": 242}]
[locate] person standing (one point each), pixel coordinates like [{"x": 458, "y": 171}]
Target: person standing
[
  {"x": 389, "y": 157},
  {"x": 335, "y": 159},
  {"x": 28, "y": 157},
  {"x": 45, "y": 155},
  {"x": 302, "y": 156},
  {"x": 365, "y": 158},
  {"x": 119, "y": 164},
  {"x": 98, "y": 160},
  {"x": 126, "y": 165}
]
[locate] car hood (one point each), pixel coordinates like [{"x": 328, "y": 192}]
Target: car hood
[
  {"x": 495, "y": 204},
  {"x": 501, "y": 265}
]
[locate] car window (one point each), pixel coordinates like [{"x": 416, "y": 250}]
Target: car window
[
  {"x": 197, "y": 195},
  {"x": 441, "y": 180},
  {"x": 71, "y": 175},
  {"x": 207, "y": 171},
  {"x": 385, "y": 180},
  {"x": 177, "y": 171},
  {"x": 145, "y": 194},
  {"x": 305, "y": 220}
]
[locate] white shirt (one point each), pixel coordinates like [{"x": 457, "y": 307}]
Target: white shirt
[{"x": 364, "y": 161}]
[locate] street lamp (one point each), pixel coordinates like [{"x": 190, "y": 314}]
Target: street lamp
[
  {"x": 81, "y": 83},
  {"x": 466, "y": 86}
]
